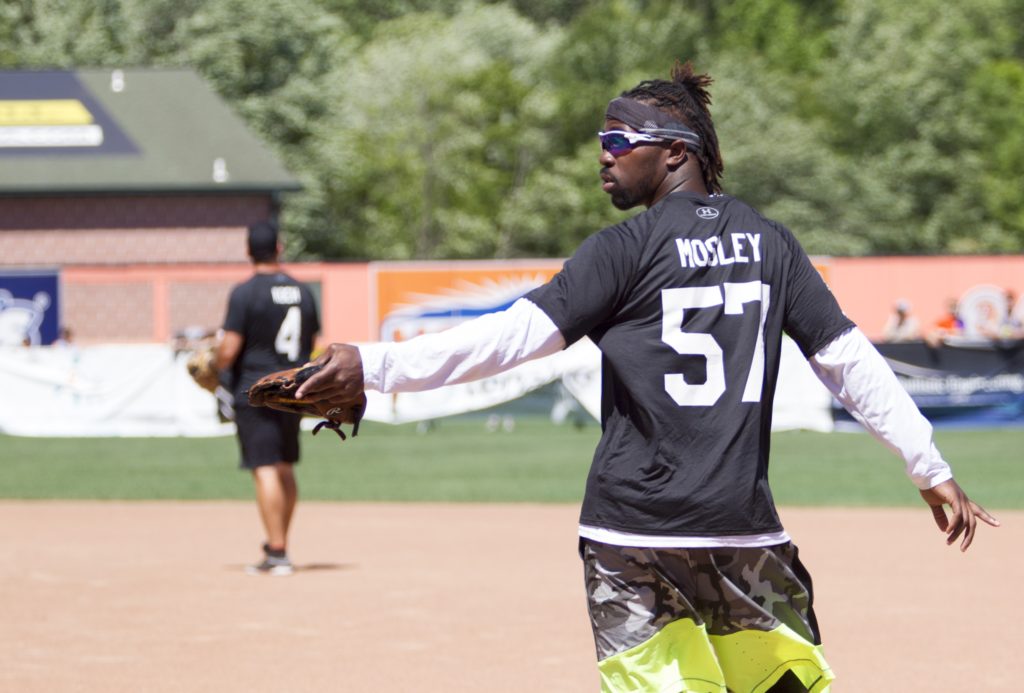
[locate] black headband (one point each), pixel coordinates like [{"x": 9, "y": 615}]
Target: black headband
[{"x": 650, "y": 120}]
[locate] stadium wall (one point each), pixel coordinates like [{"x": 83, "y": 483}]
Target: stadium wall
[{"x": 148, "y": 302}]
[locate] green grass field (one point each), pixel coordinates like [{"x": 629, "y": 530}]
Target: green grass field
[{"x": 459, "y": 460}]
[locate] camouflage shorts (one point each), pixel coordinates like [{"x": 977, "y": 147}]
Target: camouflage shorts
[{"x": 719, "y": 619}]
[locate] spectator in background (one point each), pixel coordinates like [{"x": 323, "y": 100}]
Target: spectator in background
[
  {"x": 983, "y": 320},
  {"x": 949, "y": 325},
  {"x": 64, "y": 337},
  {"x": 1011, "y": 325},
  {"x": 1007, "y": 325},
  {"x": 901, "y": 325}
]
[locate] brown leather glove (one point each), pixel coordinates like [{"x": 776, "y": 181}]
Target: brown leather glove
[
  {"x": 202, "y": 366},
  {"x": 277, "y": 391}
]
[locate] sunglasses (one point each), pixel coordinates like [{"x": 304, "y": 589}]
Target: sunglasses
[{"x": 619, "y": 142}]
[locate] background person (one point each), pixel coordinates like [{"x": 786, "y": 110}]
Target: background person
[
  {"x": 1008, "y": 325},
  {"x": 271, "y": 324},
  {"x": 949, "y": 325},
  {"x": 901, "y": 325},
  {"x": 692, "y": 582}
]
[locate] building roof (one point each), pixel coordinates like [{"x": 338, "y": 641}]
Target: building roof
[{"x": 127, "y": 131}]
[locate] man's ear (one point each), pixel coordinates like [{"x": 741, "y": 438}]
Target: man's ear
[{"x": 677, "y": 155}]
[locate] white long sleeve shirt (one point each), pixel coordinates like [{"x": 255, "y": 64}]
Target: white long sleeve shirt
[{"x": 850, "y": 367}]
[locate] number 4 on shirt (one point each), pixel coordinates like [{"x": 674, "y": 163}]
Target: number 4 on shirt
[{"x": 288, "y": 335}]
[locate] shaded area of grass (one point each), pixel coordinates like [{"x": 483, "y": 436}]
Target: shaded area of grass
[{"x": 460, "y": 460}]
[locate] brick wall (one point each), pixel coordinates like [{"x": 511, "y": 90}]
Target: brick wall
[
  {"x": 146, "y": 303},
  {"x": 121, "y": 246},
  {"x": 132, "y": 211},
  {"x": 201, "y": 303},
  {"x": 152, "y": 303},
  {"x": 118, "y": 230},
  {"x": 143, "y": 309},
  {"x": 131, "y": 248},
  {"x": 113, "y": 312}
]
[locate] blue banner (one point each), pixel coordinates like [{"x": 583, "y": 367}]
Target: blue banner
[
  {"x": 963, "y": 383},
  {"x": 29, "y": 307}
]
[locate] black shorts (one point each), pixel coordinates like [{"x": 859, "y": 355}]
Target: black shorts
[{"x": 266, "y": 436}]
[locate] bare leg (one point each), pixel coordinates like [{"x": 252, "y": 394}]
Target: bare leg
[
  {"x": 291, "y": 493},
  {"x": 272, "y": 501}
]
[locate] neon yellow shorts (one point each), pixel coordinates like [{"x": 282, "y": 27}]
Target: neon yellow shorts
[{"x": 702, "y": 620}]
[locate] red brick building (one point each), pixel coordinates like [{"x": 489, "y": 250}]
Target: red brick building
[{"x": 107, "y": 169}]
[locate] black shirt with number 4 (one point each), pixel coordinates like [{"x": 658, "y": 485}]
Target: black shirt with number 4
[
  {"x": 688, "y": 302},
  {"x": 278, "y": 319}
]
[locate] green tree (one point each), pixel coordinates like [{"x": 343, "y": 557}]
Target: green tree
[
  {"x": 447, "y": 128},
  {"x": 998, "y": 99},
  {"x": 894, "y": 99},
  {"x": 438, "y": 121},
  {"x": 778, "y": 161}
]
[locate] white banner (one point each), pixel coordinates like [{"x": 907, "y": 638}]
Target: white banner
[
  {"x": 145, "y": 390},
  {"x": 116, "y": 390}
]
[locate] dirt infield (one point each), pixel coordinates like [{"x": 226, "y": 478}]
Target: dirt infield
[{"x": 457, "y": 598}]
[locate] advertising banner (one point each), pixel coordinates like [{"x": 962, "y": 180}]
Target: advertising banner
[
  {"x": 961, "y": 382},
  {"x": 415, "y": 298},
  {"x": 52, "y": 112},
  {"x": 29, "y": 307}
]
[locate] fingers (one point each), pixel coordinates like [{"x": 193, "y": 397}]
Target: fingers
[
  {"x": 340, "y": 375},
  {"x": 939, "y": 514},
  {"x": 323, "y": 384},
  {"x": 972, "y": 525},
  {"x": 957, "y": 524},
  {"x": 963, "y": 518},
  {"x": 312, "y": 384},
  {"x": 973, "y": 512},
  {"x": 984, "y": 515},
  {"x": 315, "y": 382}
]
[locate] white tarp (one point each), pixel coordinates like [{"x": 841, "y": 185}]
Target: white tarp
[
  {"x": 114, "y": 390},
  {"x": 145, "y": 390}
]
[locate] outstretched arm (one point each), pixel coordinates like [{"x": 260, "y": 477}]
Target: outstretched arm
[
  {"x": 475, "y": 349},
  {"x": 858, "y": 376}
]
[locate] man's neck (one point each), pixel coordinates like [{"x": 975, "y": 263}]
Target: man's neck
[{"x": 266, "y": 267}]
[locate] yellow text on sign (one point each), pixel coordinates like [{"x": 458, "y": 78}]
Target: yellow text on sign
[{"x": 44, "y": 112}]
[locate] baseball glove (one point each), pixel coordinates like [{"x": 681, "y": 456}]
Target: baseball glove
[
  {"x": 277, "y": 391},
  {"x": 202, "y": 366}
]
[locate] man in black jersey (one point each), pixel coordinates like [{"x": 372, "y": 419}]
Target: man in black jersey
[
  {"x": 692, "y": 582},
  {"x": 271, "y": 324}
]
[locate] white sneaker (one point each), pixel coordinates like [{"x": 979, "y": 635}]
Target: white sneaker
[{"x": 278, "y": 566}]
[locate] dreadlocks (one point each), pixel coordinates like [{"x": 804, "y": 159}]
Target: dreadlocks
[{"x": 687, "y": 96}]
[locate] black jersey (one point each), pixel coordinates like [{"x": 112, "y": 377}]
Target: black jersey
[
  {"x": 278, "y": 319},
  {"x": 688, "y": 302}
]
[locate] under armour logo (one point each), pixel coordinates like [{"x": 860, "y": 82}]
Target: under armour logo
[{"x": 707, "y": 212}]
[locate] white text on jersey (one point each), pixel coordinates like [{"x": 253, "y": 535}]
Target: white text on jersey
[
  {"x": 286, "y": 295},
  {"x": 693, "y": 252}
]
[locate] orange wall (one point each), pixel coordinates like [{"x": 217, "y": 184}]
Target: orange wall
[
  {"x": 95, "y": 317},
  {"x": 355, "y": 296},
  {"x": 868, "y": 287}
]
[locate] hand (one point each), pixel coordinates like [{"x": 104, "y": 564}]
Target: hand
[
  {"x": 340, "y": 378},
  {"x": 965, "y": 512}
]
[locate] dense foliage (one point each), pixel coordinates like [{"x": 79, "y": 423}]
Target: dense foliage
[{"x": 454, "y": 129}]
